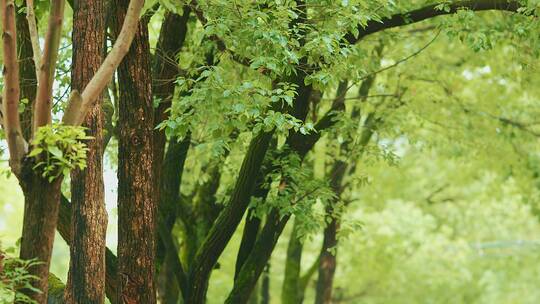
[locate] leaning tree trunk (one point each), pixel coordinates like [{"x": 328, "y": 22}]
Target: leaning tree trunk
[
  {"x": 86, "y": 280},
  {"x": 136, "y": 199}
]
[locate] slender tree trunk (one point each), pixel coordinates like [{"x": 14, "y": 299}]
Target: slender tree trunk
[
  {"x": 265, "y": 285},
  {"x": 327, "y": 266},
  {"x": 27, "y": 71},
  {"x": 86, "y": 280},
  {"x": 136, "y": 199},
  {"x": 291, "y": 283},
  {"x": 41, "y": 202}
]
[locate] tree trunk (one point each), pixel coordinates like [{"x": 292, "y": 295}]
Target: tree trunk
[
  {"x": 136, "y": 199},
  {"x": 86, "y": 279},
  {"x": 327, "y": 266},
  {"x": 226, "y": 223},
  {"x": 258, "y": 258},
  {"x": 27, "y": 71},
  {"x": 265, "y": 285},
  {"x": 291, "y": 283},
  {"x": 41, "y": 201}
]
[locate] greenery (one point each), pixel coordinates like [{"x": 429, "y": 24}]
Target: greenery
[
  {"x": 58, "y": 149},
  {"x": 13, "y": 276},
  {"x": 400, "y": 145}
]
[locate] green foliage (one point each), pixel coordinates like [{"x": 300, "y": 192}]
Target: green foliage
[
  {"x": 58, "y": 149},
  {"x": 14, "y": 276}
]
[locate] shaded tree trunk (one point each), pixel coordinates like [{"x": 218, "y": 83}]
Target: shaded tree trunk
[
  {"x": 291, "y": 283},
  {"x": 41, "y": 202},
  {"x": 64, "y": 228},
  {"x": 136, "y": 198},
  {"x": 265, "y": 285},
  {"x": 27, "y": 71},
  {"x": 86, "y": 279},
  {"x": 327, "y": 266}
]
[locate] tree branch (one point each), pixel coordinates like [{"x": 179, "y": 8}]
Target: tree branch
[
  {"x": 34, "y": 37},
  {"x": 12, "y": 125},
  {"x": 42, "y": 113},
  {"x": 220, "y": 43},
  {"x": 428, "y": 12},
  {"x": 111, "y": 62}
]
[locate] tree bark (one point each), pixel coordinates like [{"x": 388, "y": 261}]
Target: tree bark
[
  {"x": 27, "y": 72},
  {"x": 327, "y": 266},
  {"x": 427, "y": 12},
  {"x": 64, "y": 228},
  {"x": 257, "y": 260},
  {"x": 41, "y": 201},
  {"x": 86, "y": 279},
  {"x": 136, "y": 199}
]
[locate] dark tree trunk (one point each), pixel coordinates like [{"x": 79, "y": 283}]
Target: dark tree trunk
[
  {"x": 27, "y": 71},
  {"x": 265, "y": 285},
  {"x": 249, "y": 237},
  {"x": 258, "y": 258},
  {"x": 227, "y": 221},
  {"x": 168, "y": 171},
  {"x": 136, "y": 197},
  {"x": 41, "y": 201},
  {"x": 327, "y": 266},
  {"x": 86, "y": 279},
  {"x": 168, "y": 289}
]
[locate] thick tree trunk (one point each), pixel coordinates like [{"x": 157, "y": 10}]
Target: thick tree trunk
[
  {"x": 41, "y": 201},
  {"x": 136, "y": 199},
  {"x": 86, "y": 280}
]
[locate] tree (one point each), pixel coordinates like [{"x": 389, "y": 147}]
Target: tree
[
  {"x": 42, "y": 189},
  {"x": 220, "y": 124}
]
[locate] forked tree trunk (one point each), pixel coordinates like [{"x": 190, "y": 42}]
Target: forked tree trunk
[
  {"x": 86, "y": 280},
  {"x": 136, "y": 199}
]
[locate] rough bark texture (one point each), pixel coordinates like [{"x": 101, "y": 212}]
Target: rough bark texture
[
  {"x": 41, "y": 201},
  {"x": 136, "y": 199},
  {"x": 27, "y": 72},
  {"x": 86, "y": 279}
]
